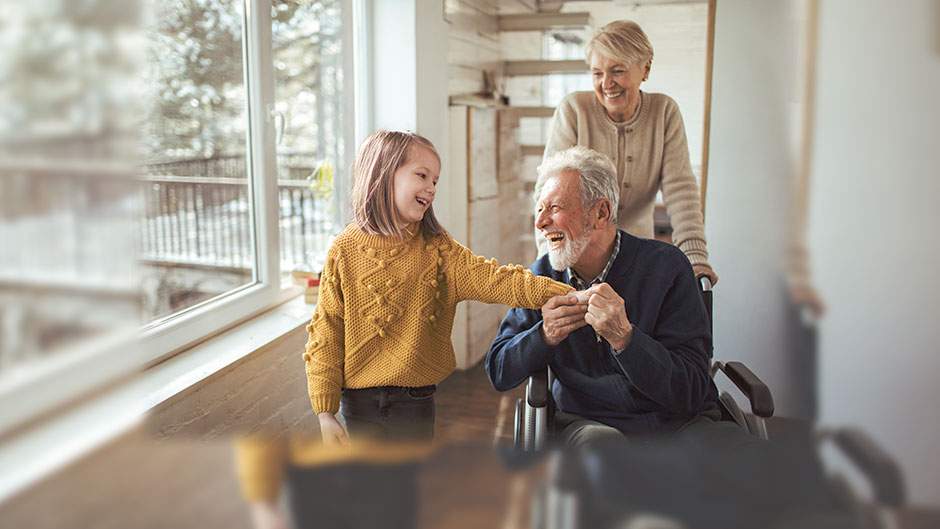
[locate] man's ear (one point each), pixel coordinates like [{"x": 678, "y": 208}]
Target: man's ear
[{"x": 603, "y": 210}]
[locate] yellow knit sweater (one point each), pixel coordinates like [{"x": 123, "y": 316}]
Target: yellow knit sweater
[{"x": 386, "y": 310}]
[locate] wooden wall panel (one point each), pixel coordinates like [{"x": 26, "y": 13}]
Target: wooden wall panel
[
  {"x": 482, "y": 159},
  {"x": 485, "y": 220},
  {"x": 473, "y": 44}
]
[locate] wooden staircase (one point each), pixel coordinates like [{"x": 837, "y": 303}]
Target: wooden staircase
[{"x": 541, "y": 22}]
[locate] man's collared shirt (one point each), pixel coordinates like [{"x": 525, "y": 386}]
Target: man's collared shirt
[{"x": 579, "y": 283}]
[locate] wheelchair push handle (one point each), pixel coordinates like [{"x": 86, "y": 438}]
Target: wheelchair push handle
[{"x": 705, "y": 283}]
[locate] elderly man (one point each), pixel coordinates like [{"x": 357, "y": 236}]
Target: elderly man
[{"x": 629, "y": 351}]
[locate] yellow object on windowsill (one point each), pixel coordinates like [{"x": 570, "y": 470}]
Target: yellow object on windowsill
[
  {"x": 300, "y": 277},
  {"x": 312, "y": 291}
]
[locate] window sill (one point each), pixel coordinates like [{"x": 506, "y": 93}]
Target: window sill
[{"x": 37, "y": 452}]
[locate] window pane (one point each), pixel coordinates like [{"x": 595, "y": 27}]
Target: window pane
[
  {"x": 196, "y": 230},
  {"x": 308, "y": 70},
  {"x": 67, "y": 197}
]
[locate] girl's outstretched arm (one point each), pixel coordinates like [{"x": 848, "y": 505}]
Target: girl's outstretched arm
[{"x": 481, "y": 279}]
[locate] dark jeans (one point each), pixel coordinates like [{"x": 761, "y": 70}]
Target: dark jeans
[
  {"x": 354, "y": 496},
  {"x": 389, "y": 413}
]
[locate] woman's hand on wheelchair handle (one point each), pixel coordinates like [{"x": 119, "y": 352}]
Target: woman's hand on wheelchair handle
[{"x": 703, "y": 270}]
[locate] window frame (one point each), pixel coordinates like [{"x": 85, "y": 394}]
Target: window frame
[{"x": 41, "y": 387}]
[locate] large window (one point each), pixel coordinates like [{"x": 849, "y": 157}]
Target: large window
[
  {"x": 164, "y": 164},
  {"x": 196, "y": 228},
  {"x": 309, "y": 52}
]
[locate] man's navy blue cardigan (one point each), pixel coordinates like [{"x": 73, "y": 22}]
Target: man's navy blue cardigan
[{"x": 658, "y": 383}]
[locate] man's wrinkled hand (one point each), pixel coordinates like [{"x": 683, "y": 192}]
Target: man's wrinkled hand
[
  {"x": 563, "y": 315},
  {"x": 607, "y": 313}
]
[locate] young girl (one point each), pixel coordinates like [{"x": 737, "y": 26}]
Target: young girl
[{"x": 379, "y": 340}]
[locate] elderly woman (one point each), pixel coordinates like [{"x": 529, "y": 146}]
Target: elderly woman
[{"x": 643, "y": 135}]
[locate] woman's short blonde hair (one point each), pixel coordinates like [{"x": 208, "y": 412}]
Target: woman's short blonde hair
[
  {"x": 373, "y": 194},
  {"x": 623, "y": 41}
]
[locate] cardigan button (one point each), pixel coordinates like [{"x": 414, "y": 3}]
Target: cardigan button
[{"x": 629, "y": 158}]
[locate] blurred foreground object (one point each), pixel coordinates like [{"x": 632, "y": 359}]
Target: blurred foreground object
[{"x": 68, "y": 115}]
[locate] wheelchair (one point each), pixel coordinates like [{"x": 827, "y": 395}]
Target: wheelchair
[
  {"x": 782, "y": 484},
  {"x": 570, "y": 499},
  {"x": 534, "y": 414}
]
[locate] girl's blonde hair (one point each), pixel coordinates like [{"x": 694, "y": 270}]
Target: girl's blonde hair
[
  {"x": 621, "y": 40},
  {"x": 373, "y": 194}
]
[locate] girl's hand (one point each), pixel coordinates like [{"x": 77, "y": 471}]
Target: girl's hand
[
  {"x": 332, "y": 431},
  {"x": 266, "y": 515}
]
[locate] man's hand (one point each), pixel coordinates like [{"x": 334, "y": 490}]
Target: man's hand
[
  {"x": 561, "y": 316},
  {"x": 607, "y": 314},
  {"x": 332, "y": 431}
]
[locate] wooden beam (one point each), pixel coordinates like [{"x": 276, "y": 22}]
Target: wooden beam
[
  {"x": 532, "y": 150},
  {"x": 543, "y": 21},
  {"x": 707, "y": 118},
  {"x": 533, "y": 112},
  {"x": 517, "y": 68}
]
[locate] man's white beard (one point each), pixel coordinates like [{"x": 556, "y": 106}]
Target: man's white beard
[{"x": 567, "y": 256}]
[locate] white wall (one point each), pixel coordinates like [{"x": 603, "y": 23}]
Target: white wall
[
  {"x": 873, "y": 226},
  {"x": 874, "y": 177},
  {"x": 749, "y": 189},
  {"x": 409, "y": 72},
  {"x": 409, "y": 67}
]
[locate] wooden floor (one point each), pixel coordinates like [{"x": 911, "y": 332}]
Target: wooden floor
[
  {"x": 145, "y": 481},
  {"x": 469, "y": 409}
]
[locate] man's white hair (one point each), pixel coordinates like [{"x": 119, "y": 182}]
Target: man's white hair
[{"x": 598, "y": 176}]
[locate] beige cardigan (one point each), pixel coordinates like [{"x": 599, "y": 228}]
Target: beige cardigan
[{"x": 650, "y": 152}]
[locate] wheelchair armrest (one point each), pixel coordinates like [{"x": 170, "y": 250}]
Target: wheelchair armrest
[
  {"x": 882, "y": 471},
  {"x": 536, "y": 390},
  {"x": 762, "y": 402}
]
